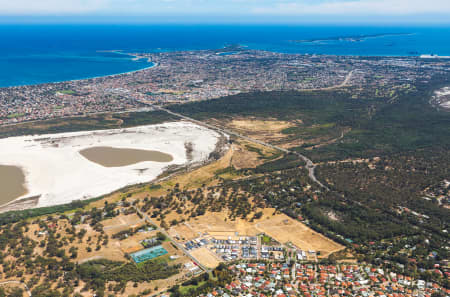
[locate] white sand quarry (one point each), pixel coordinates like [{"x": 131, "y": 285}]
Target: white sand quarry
[{"x": 55, "y": 170}]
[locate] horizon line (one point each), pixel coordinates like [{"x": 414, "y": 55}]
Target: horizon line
[{"x": 220, "y": 20}]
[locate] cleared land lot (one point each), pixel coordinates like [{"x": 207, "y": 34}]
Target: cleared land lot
[
  {"x": 269, "y": 130},
  {"x": 284, "y": 229},
  {"x": 257, "y": 125},
  {"x": 183, "y": 232},
  {"x": 133, "y": 243},
  {"x": 278, "y": 226},
  {"x": 206, "y": 257},
  {"x": 121, "y": 223}
]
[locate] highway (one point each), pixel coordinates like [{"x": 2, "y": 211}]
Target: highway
[
  {"x": 346, "y": 81},
  {"x": 309, "y": 164}
]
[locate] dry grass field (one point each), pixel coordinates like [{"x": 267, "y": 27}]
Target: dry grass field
[
  {"x": 121, "y": 223},
  {"x": 205, "y": 174},
  {"x": 217, "y": 224},
  {"x": 256, "y": 125},
  {"x": 111, "y": 252},
  {"x": 284, "y": 229},
  {"x": 250, "y": 155},
  {"x": 132, "y": 244},
  {"x": 242, "y": 158},
  {"x": 206, "y": 257},
  {"x": 183, "y": 232},
  {"x": 268, "y": 130}
]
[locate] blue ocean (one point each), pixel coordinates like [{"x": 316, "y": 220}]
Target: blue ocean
[{"x": 33, "y": 54}]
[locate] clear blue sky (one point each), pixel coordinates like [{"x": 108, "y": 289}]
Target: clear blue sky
[{"x": 271, "y": 11}]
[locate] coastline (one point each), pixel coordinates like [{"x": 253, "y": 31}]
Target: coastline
[
  {"x": 87, "y": 78},
  {"x": 154, "y": 64},
  {"x": 109, "y": 75}
]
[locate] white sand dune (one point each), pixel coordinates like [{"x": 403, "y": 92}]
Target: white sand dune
[
  {"x": 56, "y": 171},
  {"x": 442, "y": 97},
  {"x": 443, "y": 92}
]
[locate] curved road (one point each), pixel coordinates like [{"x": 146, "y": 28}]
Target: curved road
[
  {"x": 309, "y": 164},
  {"x": 17, "y": 283},
  {"x": 347, "y": 79}
]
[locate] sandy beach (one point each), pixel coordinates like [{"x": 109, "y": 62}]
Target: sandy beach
[{"x": 56, "y": 171}]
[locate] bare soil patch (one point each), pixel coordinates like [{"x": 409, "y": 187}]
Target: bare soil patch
[
  {"x": 133, "y": 243},
  {"x": 206, "y": 257},
  {"x": 121, "y": 223},
  {"x": 284, "y": 229},
  {"x": 200, "y": 176},
  {"x": 266, "y": 130},
  {"x": 278, "y": 226},
  {"x": 183, "y": 232},
  {"x": 258, "y": 125},
  {"x": 250, "y": 155}
]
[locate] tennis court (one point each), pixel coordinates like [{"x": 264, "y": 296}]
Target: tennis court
[{"x": 148, "y": 254}]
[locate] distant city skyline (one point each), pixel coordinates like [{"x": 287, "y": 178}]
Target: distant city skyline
[{"x": 227, "y": 11}]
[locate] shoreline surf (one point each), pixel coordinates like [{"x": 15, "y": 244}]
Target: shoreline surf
[{"x": 153, "y": 64}]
